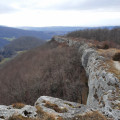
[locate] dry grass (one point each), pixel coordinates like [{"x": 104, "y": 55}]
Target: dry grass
[
  {"x": 55, "y": 107},
  {"x": 19, "y": 117},
  {"x": 46, "y": 116},
  {"x": 108, "y": 53},
  {"x": 113, "y": 69},
  {"x": 18, "y": 105},
  {"x": 90, "y": 116}
]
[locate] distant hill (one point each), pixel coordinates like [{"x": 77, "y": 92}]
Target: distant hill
[
  {"x": 10, "y": 32},
  {"x": 45, "y": 33},
  {"x": 21, "y": 44},
  {"x": 3, "y": 42},
  {"x": 24, "y": 43},
  {"x": 64, "y": 28}
]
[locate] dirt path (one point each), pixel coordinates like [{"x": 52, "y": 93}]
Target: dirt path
[{"x": 117, "y": 64}]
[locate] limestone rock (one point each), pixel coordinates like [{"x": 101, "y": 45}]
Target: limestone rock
[
  {"x": 62, "y": 108},
  {"x": 8, "y": 111},
  {"x": 104, "y": 87}
]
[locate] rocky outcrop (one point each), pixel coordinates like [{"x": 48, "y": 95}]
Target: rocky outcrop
[
  {"x": 7, "y": 111},
  {"x": 49, "y": 108},
  {"x": 61, "y": 108},
  {"x": 104, "y": 86}
]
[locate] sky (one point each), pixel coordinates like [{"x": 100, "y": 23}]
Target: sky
[{"x": 41, "y": 13}]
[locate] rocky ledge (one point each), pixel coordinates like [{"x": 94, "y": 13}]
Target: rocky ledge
[
  {"x": 104, "y": 86},
  {"x": 49, "y": 108}
]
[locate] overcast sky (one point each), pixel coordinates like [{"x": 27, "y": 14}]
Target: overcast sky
[{"x": 39, "y": 13}]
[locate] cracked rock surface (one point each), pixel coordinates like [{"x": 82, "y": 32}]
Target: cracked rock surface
[{"x": 104, "y": 87}]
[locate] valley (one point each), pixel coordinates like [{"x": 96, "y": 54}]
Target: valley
[{"x": 76, "y": 67}]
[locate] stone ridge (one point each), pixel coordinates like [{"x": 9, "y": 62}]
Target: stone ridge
[
  {"x": 49, "y": 108},
  {"x": 104, "y": 87}
]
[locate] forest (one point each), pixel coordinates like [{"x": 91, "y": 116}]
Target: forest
[
  {"x": 109, "y": 35},
  {"x": 51, "y": 69}
]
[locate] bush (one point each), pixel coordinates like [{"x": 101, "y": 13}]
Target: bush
[
  {"x": 116, "y": 57},
  {"x": 105, "y": 46}
]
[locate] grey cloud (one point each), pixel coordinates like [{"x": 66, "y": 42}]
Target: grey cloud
[
  {"x": 105, "y": 5},
  {"x": 6, "y": 9},
  {"x": 112, "y": 5}
]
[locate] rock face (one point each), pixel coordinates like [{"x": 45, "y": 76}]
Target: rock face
[
  {"x": 61, "y": 108},
  {"x": 104, "y": 87},
  {"x": 104, "y": 93},
  {"x": 49, "y": 108},
  {"x": 8, "y": 111}
]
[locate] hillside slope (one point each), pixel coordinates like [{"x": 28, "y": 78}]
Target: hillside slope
[
  {"x": 19, "y": 45},
  {"x": 3, "y": 42},
  {"x": 24, "y": 43},
  {"x": 52, "y": 69},
  {"x": 10, "y": 32}
]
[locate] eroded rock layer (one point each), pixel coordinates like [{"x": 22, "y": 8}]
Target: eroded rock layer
[{"x": 104, "y": 86}]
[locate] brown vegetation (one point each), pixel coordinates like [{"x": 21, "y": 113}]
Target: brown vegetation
[
  {"x": 50, "y": 70},
  {"x": 99, "y": 35},
  {"x": 55, "y": 107},
  {"x": 116, "y": 57},
  {"x": 45, "y": 116},
  {"x": 18, "y": 105},
  {"x": 19, "y": 117},
  {"x": 111, "y": 55},
  {"x": 91, "y": 116}
]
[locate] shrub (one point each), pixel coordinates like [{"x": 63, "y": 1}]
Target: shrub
[
  {"x": 105, "y": 46},
  {"x": 116, "y": 57}
]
